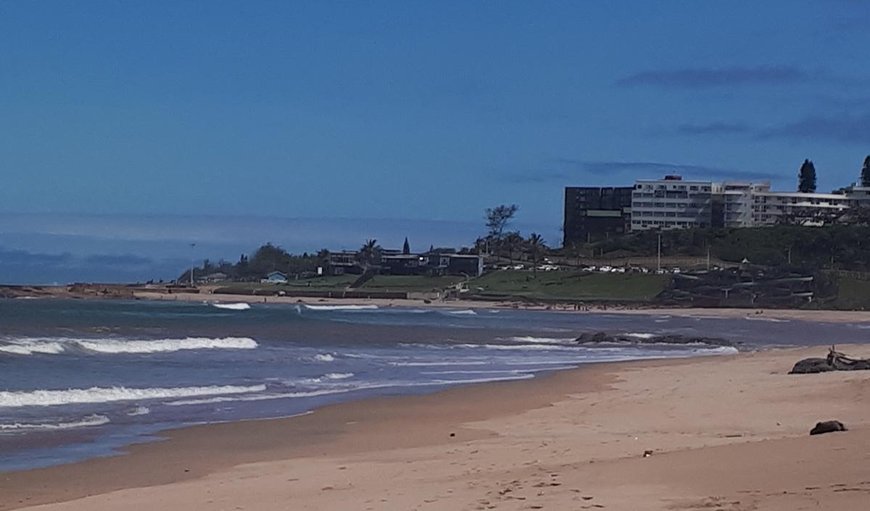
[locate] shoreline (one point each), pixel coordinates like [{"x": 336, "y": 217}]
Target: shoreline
[
  {"x": 825, "y": 316},
  {"x": 815, "y": 315},
  {"x": 599, "y": 415}
]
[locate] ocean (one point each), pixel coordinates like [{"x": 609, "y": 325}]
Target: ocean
[{"x": 81, "y": 379}]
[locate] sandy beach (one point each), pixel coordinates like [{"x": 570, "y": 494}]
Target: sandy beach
[
  {"x": 728, "y": 433},
  {"x": 799, "y": 314}
]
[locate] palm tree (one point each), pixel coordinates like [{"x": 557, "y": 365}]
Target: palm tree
[
  {"x": 536, "y": 244},
  {"x": 369, "y": 253}
]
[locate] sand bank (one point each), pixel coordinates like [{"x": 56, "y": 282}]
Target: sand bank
[{"x": 726, "y": 433}]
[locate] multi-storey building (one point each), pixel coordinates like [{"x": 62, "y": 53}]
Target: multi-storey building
[
  {"x": 674, "y": 203},
  {"x": 770, "y": 208},
  {"x": 671, "y": 203},
  {"x": 737, "y": 203},
  {"x": 595, "y": 213}
]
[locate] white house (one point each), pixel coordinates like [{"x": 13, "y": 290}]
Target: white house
[{"x": 275, "y": 277}]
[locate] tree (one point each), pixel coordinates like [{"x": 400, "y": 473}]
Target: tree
[
  {"x": 807, "y": 177},
  {"x": 369, "y": 253},
  {"x": 497, "y": 219},
  {"x": 269, "y": 258},
  {"x": 512, "y": 241},
  {"x": 536, "y": 244},
  {"x": 865, "y": 172},
  {"x": 406, "y": 248}
]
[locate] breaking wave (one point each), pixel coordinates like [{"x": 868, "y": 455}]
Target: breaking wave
[
  {"x": 91, "y": 420},
  {"x": 54, "y": 346},
  {"x": 339, "y": 307},
  {"x": 242, "y": 306},
  {"x": 15, "y": 399}
]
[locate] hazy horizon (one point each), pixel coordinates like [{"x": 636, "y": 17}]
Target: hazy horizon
[{"x": 58, "y": 249}]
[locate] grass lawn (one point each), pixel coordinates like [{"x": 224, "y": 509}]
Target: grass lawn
[
  {"x": 571, "y": 285},
  {"x": 323, "y": 283},
  {"x": 854, "y": 294},
  {"x": 411, "y": 283}
]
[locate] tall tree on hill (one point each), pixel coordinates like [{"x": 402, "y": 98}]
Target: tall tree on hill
[
  {"x": 865, "y": 172},
  {"x": 497, "y": 219},
  {"x": 406, "y": 248},
  {"x": 807, "y": 177}
]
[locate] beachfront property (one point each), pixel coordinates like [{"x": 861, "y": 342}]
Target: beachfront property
[
  {"x": 595, "y": 213},
  {"x": 344, "y": 262},
  {"x": 771, "y": 208},
  {"x": 671, "y": 203},
  {"x": 275, "y": 277},
  {"x": 432, "y": 263}
]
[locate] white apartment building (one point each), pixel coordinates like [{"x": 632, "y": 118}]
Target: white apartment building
[
  {"x": 770, "y": 208},
  {"x": 737, "y": 201},
  {"x": 671, "y": 203}
]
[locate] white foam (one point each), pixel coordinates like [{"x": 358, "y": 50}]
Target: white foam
[
  {"x": 111, "y": 346},
  {"x": 242, "y": 306},
  {"x": 91, "y": 420},
  {"x": 770, "y": 320},
  {"x": 14, "y": 399},
  {"x": 57, "y": 345},
  {"x": 321, "y": 379},
  {"x": 643, "y": 335},
  {"x": 260, "y": 397},
  {"x": 439, "y": 363},
  {"x": 324, "y": 357},
  {"x": 139, "y": 410},
  {"x": 519, "y": 347},
  {"x": 32, "y": 347},
  {"x": 467, "y": 312},
  {"x": 339, "y": 307},
  {"x": 338, "y": 376},
  {"x": 541, "y": 340}
]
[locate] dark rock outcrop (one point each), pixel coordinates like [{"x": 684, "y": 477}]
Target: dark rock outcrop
[
  {"x": 603, "y": 338},
  {"x": 835, "y": 361},
  {"x": 827, "y": 427},
  {"x": 811, "y": 365}
]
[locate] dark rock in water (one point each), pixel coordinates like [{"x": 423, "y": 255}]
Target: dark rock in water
[
  {"x": 811, "y": 365},
  {"x": 827, "y": 427},
  {"x": 618, "y": 339}
]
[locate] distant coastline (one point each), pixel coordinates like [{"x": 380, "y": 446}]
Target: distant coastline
[{"x": 207, "y": 294}]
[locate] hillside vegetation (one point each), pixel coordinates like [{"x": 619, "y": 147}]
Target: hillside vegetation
[{"x": 840, "y": 246}]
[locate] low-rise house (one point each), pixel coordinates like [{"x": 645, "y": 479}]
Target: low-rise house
[
  {"x": 405, "y": 264},
  {"x": 275, "y": 277}
]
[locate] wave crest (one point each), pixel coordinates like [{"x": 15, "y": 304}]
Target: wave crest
[
  {"x": 16, "y": 399},
  {"x": 55, "y": 346}
]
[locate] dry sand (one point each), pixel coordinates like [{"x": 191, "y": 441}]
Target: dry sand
[{"x": 726, "y": 433}]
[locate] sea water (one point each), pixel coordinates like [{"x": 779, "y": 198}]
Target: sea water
[{"x": 80, "y": 379}]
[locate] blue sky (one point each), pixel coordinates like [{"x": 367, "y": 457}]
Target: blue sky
[{"x": 366, "y": 119}]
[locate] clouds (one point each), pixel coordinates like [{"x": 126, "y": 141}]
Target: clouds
[
  {"x": 705, "y": 78},
  {"x": 845, "y": 129},
  {"x": 570, "y": 171},
  {"x": 714, "y": 128}
]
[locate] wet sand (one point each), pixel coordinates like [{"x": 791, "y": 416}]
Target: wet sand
[{"x": 727, "y": 433}]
